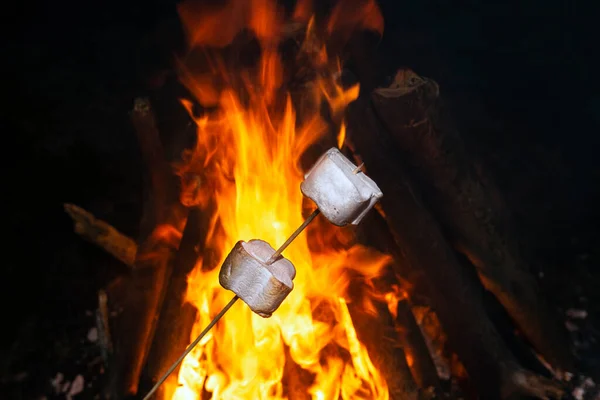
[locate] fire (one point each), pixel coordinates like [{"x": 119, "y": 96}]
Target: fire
[{"x": 246, "y": 169}]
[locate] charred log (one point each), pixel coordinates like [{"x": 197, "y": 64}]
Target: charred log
[
  {"x": 177, "y": 316},
  {"x": 377, "y": 332},
  {"x": 456, "y": 299},
  {"x": 468, "y": 206},
  {"x": 421, "y": 363},
  {"x": 103, "y": 235},
  {"x": 374, "y": 232},
  {"x": 103, "y": 327},
  {"x": 142, "y": 291}
]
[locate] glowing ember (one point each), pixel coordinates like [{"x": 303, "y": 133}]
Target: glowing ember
[{"x": 248, "y": 157}]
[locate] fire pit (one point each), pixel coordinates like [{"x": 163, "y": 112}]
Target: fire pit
[{"x": 377, "y": 311}]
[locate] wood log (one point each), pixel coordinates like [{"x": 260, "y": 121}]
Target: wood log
[
  {"x": 374, "y": 232},
  {"x": 436, "y": 341},
  {"x": 377, "y": 332},
  {"x": 456, "y": 299},
  {"x": 143, "y": 290},
  {"x": 177, "y": 317},
  {"x": 421, "y": 364},
  {"x": 468, "y": 206},
  {"x": 102, "y": 234},
  {"x": 103, "y": 327}
]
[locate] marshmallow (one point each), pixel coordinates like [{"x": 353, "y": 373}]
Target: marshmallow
[
  {"x": 341, "y": 191},
  {"x": 262, "y": 286}
]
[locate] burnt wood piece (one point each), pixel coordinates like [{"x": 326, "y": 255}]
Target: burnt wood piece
[
  {"x": 142, "y": 291},
  {"x": 377, "y": 333},
  {"x": 456, "y": 299},
  {"x": 468, "y": 206},
  {"x": 102, "y": 325},
  {"x": 374, "y": 232},
  {"x": 421, "y": 365},
  {"x": 177, "y": 316},
  {"x": 102, "y": 234}
]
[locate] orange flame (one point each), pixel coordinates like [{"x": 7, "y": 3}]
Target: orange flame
[{"x": 247, "y": 160}]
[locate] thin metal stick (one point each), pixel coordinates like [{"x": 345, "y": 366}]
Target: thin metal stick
[
  {"x": 235, "y": 298},
  {"x": 191, "y": 346},
  {"x": 293, "y": 236}
]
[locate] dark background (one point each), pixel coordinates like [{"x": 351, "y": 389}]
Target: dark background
[{"x": 520, "y": 76}]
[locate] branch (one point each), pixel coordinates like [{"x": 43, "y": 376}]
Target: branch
[{"x": 103, "y": 235}]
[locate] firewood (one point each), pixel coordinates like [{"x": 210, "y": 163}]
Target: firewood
[
  {"x": 455, "y": 297},
  {"x": 103, "y": 327},
  {"x": 436, "y": 341},
  {"x": 468, "y": 206},
  {"x": 142, "y": 291},
  {"x": 377, "y": 333},
  {"x": 374, "y": 232},
  {"x": 421, "y": 364},
  {"x": 177, "y": 317},
  {"x": 102, "y": 234}
]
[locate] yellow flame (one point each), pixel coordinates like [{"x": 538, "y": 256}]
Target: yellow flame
[{"x": 247, "y": 161}]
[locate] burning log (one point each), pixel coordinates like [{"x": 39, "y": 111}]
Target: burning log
[
  {"x": 377, "y": 332},
  {"x": 177, "y": 316},
  {"x": 143, "y": 290},
  {"x": 421, "y": 363},
  {"x": 374, "y": 232},
  {"x": 102, "y": 234},
  {"x": 456, "y": 298},
  {"x": 468, "y": 206}
]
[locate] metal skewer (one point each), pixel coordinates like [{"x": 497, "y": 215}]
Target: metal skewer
[
  {"x": 293, "y": 236},
  {"x": 235, "y": 298}
]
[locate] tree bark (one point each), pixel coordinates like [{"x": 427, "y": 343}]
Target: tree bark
[
  {"x": 468, "y": 206},
  {"x": 456, "y": 299}
]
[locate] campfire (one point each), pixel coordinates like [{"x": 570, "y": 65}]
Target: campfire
[{"x": 388, "y": 308}]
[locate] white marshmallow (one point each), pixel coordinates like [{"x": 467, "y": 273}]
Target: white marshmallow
[
  {"x": 262, "y": 286},
  {"x": 343, "y": 193}
]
